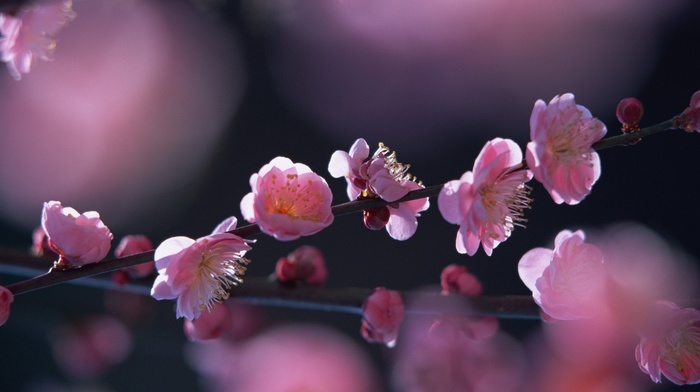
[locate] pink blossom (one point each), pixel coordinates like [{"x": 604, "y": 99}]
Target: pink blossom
[
  {"x": 199, "y": 272},
  {"x": 31, "y": 34},
  {"x": 209, "y": 325},
  {"x": 569, "y": 281},
  {"x": 288, "y": 200},
  {"x": 689, "y": 120},
  {"x": 79, "y": 239},
  {"x": 672, "y": 346},
  {"x": 455, "y": 279},
  {"x": 382, "y": 314},
  {"x": 6, "y": 298},
  {"x": 131, "y": 245},
  {"x": 560, "y": 154},
  {"x": 487, "y": 202},
  {"x": 306, "y": 264}
]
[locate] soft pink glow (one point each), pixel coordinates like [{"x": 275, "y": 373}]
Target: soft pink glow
[
  {"x": 560, "y": 154},
  {"x": 487, "y": 202},
  {"x": 79, "y": 239},
  {"x": 288, "y": 200}
]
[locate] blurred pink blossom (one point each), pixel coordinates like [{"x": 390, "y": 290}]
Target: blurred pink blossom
[
  {"x": 133, "y": 244},
  {"x": 6, "y": 298},
  {"x": 672, "y": 346},
  {"x": 568, "y": 282},
  {"x": 487, "y": 202},
  {"x": 79, "y": 239},
  {"x": 288, "y": 200},
  {"x": 210, "y": 324},
  {"x": 455, "y": 279},
  {"x": 382, "y": 314},
  {"x": 31, "y": 34},
  {"x": 199, "y": 272},
  {"x": 560, "y": 154},
  {"x": 305, "y": 264},
  {"x": 87, "y": 349}
]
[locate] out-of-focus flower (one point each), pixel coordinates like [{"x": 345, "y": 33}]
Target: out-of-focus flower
[
  {"x": 306, "y": 264},
  {"x": 40, "y": 243},
  {"x": 487, "y": 202},
  {"x": 560, "y": 154},
  {"x": 6, "y": 298},
  {"x": 382, "y": 314},
  {"x": 455, "y": 279},
  {"x": 198, "y": 272},
  {"x": 31, "y": 34},
  {"x": 130, "y": 245},
  {"x": 78, "y": 239},
  {"x": 672, "y": 346},
  {"x": 380, "y": 176},
  {"x": 89, "y": 348},
  {"x": 689, "y": 120},
  {"x": 209, "y": 325},
  {"x": 568, "y": 282},
  {"x": 288, "y": 200}
]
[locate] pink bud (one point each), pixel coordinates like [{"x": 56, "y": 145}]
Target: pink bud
[
  {"x": 689, "y": 120},
  {"x": 455, "y": 279},
  {"x": 382, "y": 314},
  {"x": 376, "y": 218},
  {"x": 131, "y": 245},
  {"x": 6, "y": 298},
  {"x": 210, "y": 324},
  {"x": 306, "y": 264},
  {"x": 629, "y": 112}
]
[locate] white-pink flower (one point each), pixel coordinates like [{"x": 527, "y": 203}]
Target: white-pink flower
[
  {"x": 6, "y": 298},
  {"x": 569, "y": 281},
  {"x": 672, "y": 348},
  {"x": 560, "y": 154},
  {"x": 78, "y": 239},
  {"x": 31, "y": 34},
  {"x": 288, "y": 200},
  {"x": 199, "y": 272},
  {"x": 487, "y": 202}
]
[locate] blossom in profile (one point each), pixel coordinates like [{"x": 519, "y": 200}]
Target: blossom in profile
[
  {"x": 305, "y": 264},
  {"x": 288, "y": 200},
  {"x": 199, "y": 272},
  {"x": 78, "y": 239},
  {"x": 672, "y": 347},
  {"x": 31, "y": 34},
  {"x": 487, "y": 202},
  {"x": 569, "y": 281},
  {"x": 380, "y": 176},
  {"x": 382, "y": 314},
  {"x": 560, "y": 153},
  {"x": 6, "y": 298}
]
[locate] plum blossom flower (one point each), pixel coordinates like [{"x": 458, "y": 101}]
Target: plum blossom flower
[
  {"x": 198, "y": 272},
  {"x": 31, "y": 34},
  {"x": 569, "y": 281},
  {"x": 6, "y": 298},
  {"x": 382, "y": 314},
  {"x": 78, "y": 239},
  {"x": 560, "y": 154},
  {"x": 306, "y": 264},
  {"x": 672, "y": 348},
  {"x": 487, "y": 202},
  {"x": 380, "y": 176},
  {"x": 288, "y": 200}
]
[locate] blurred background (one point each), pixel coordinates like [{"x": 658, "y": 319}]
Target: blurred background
[{"x": 155, "y": 113}]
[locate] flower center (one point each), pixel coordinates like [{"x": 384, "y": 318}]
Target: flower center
[
  {"x": 397, "y": 170},
  {"x": 293, "y": 199},
  {"x": 574, "y": 140},
  {"x": 504, "y": 202},
  {"x": 682, "y": 349},
  {"x": 219, "y": 269}
]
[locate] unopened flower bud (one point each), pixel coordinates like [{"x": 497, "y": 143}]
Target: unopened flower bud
[
  {"x": 376, "y": 218},
  {"x": 305, "y": 264},
  {"x": 629, "y": 112},
  {"x": 6, "y": 298}
]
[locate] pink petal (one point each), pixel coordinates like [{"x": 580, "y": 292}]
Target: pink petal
[{"x": 532, "y": 265}]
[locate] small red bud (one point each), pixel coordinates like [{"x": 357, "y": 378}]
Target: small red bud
[
  {"x": 376, "y": 218},
  {"x": 629, "y": 112}
]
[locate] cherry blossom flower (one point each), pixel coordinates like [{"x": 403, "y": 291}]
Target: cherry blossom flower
[
  {"x": 306, "y": 264},
  {"x": 198, "y": 272},
  {"x": 382, "y": 314},
  {"x": 288, "y": 200},
  {"x": 672, "y": 347},
  {"x": 455, "y": 279},
  {"x": 487, "y": 202},
  {"x": 380, "y": 176},
  {"x": 78, "y": 239},
  {"x": 31, "y": 34},
  {"x": 6, "y": 298},
  {"x": 560, "y": 154},
  {"x": 568, "y": 282}
]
